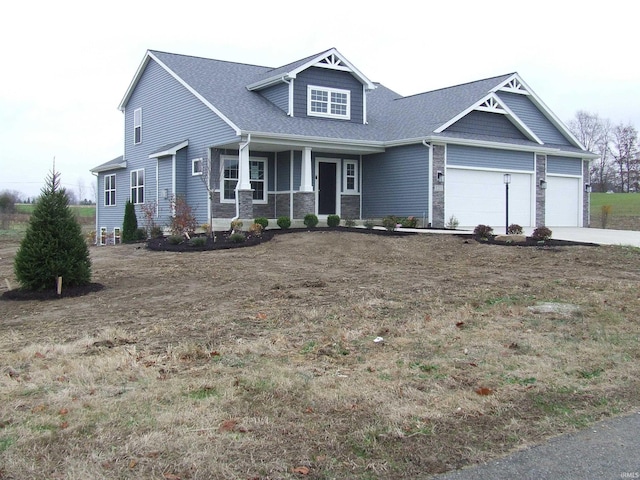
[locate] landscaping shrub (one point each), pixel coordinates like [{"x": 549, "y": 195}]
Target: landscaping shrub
[
  {"x": 198, "y": 241},
  {"x": 53, "y": 245},
  {"x": 482, "y": 231},
  {"x": 175, "y": 239},
  {"x": 255, "y": 229},
  {"x": 605, "y": 210},
  {"x": 262, "y": 221},
  {"x": 236, "y": 225},
  {"x": 514, "y": 229},
  {"x": 310, "y": 220},
  {"x": 237, "y": 237},
  {"x": 129, "y": 224},
  {"x": 141, "y": 234},
  {"x": 349, "y": 222},
  {"x": 183, "y": 220},
  {"x": 333, "y": 220},
  {"x": 284, "y": 222},
  {"x": 156, "y": 231},
  {"x": 453, "y": 222},
  {"x": 409, "y": 222},
  {"x": 390, "y": 223},
  {"x": 541, "y": 234},
  {"x": 368, "y": 224}
]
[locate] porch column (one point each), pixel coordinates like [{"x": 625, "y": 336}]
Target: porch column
[
  {"x": 244, "y": 182},
  {"x": 305, "y": 180},
  {"x": 244, "y": 193}
]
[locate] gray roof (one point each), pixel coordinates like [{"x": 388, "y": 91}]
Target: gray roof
[
  {"x": 390, "y": 117},
  {"x": 114, "y": 164}
]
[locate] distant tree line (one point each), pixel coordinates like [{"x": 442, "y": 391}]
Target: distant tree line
[{"x": 618, "y": 167}]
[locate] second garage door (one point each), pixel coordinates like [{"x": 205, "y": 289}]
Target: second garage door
[
  {"x": 478, "y": 197},
  {"x": 562, "y": 204}
]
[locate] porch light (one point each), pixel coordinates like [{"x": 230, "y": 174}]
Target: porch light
[
  {"x": 440, "y": 176},
  {"x": 587, "y": 188},
  {"x": 165, "y": 193},
  {"x": 543, "y": 184}
]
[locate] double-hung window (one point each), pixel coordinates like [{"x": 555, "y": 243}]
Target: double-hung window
[
  {"x": 350, "y": 176},
  {"x": 328, "y": 102},
  {"x": 231, "y": 174},
  {"x": 137, "y": 126},
  {"x": 137, "y": 186},
  {"x": 229, "y": 178},
  {"x": 110, "y": 190}
]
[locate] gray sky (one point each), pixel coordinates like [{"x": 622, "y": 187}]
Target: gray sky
[{"x": 67, "y": 64}]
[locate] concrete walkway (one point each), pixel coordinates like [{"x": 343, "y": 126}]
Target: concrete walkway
[
  {"x": 597, "y": 235},
  {"x": 607, "y": 450}
]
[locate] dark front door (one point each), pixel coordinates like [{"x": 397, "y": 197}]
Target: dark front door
[{"x": 326, "y": 188}]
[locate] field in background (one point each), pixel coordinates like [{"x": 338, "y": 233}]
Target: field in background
[{"x": 624, "y": 214}]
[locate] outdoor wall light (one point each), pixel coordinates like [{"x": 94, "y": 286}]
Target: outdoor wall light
[
  {"x": 165, "y": 193},
  {"x": 507, "y": 178},
  {"x": 440, "y": 176},
  {"x": 587, "y": 188},
  {"x": 543, "y": 183}
]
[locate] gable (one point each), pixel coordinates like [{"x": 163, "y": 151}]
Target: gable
[
  {"x": 486, "y": 124},
  {"x": 534, "y": 118}
]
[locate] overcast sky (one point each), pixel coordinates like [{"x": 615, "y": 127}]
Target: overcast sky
[{"x": 67, "y": 64}]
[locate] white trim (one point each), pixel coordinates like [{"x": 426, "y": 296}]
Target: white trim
[
  {"x": 265, "y": 160},
  {"x": 329, "y": 91},
  {"x": 195, "y": 172},
  {"x": 114, "y": 190},
  {"x": 537, "y": 101},
  {"x": 345, "y": 177},
  {"x": 170, "y": 151},
  {"x": 491, "y": 103},
  {"x": 137, "y": 124},
  {"x": 138, "y": 187},
  {"x": 106, "y": 236},
  {"x": 139, "y": 72},
  {"x": 117, "y": 239}
]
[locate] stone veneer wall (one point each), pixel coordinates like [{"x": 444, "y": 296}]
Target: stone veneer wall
[
  {"x": 350, "y": 206},
  {"x": 541, "y": 173},
  {"x": 303, "y": 203},
  {"x": 282, "y": 205},
  {"x": 245, "y": 200},
  {"x": 437, "y": 153}
]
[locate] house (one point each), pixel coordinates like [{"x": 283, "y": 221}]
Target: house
[{"x": 318, "y": 136}]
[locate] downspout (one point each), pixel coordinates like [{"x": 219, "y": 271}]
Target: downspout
[
  {"x": 97, "y": 200},
  {"x": 430, "y": 194},
  {"x": 288, "y": 81},
  {"x": 240, "y": 149}
]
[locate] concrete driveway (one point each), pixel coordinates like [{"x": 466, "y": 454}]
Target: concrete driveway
[{"x": 596, "y": 235}]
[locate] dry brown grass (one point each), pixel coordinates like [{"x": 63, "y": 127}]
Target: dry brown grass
[{"x": 254, "y": 362}]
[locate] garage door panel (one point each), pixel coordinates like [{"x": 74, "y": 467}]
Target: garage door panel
[
  {"x": 476, "y": 197},
  {"x": 562, "y": 204}
]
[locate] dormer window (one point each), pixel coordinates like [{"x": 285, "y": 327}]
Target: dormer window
[{"x": 328, "y": 102}]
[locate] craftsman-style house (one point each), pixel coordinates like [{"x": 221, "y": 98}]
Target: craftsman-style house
[{"x": 318, "y": 136}]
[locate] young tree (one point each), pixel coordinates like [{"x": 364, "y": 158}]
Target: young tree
[
  {"x": 130, "y": 223},
  {"x": 595, "y": 135},
  {"x": 210, "y": 181},
  {"x": 53, "y": 245}
]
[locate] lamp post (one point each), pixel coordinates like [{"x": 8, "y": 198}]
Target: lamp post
[{"x": 507, "y": 181}]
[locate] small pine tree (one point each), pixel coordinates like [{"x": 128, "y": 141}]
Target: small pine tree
[
  {"x": 129, "y": 224},
  {"x": 53, "y": 245}
]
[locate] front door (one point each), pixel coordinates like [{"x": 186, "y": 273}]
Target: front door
[{"x": 327, "y": 188}]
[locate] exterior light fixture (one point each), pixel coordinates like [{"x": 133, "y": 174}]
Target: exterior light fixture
[
  {"x": 507, "y": 181},
  {"x": 587, "y": 188},
  {"x": 440, "y": 176},
  {"x": 543, "y": 184},
  {"x": 165, "y": 193}
]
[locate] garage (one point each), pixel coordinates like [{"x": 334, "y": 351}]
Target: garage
[
  {"x": 563, "y": 202},
  {"x": 478, "y": 197}
]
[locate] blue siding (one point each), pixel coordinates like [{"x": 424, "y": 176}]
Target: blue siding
[
  {"x": 463, "y": 156},
  {"x": 564, "y": 165},
  {"x": 396, "y": 182},
  {"x": 278, "y": 95},
  {"x": 112, "y": 216},
  {"x": 284, "y": 172},
  {"x": 170, "y": 113},
  {"x": 323, "y": 77},
  {"x": 533, "y": 118},
  {"x": 484, "y": 123},
  {"x": 165, "y": 181},
  {"x": 297, "y": 169},
  {"x": 196, "y": 189}
]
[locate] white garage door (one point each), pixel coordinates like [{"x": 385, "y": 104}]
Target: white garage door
[
  {"x": 478, "y": 197},
  {"x": 562, "y": 204}
]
